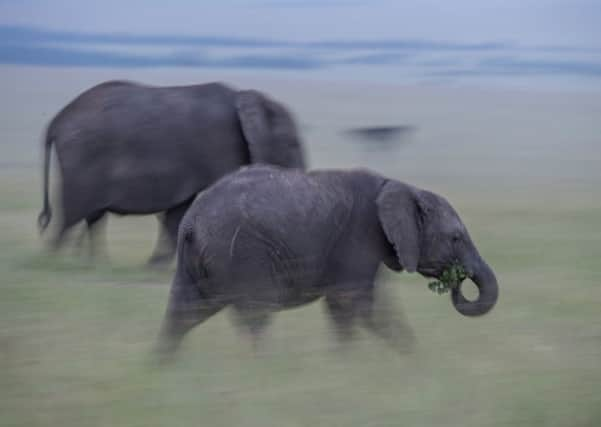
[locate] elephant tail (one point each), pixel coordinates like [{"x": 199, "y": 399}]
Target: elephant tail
[{"x": 46, "y": 214}]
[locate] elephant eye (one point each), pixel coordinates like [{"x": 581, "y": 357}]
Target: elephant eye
[{"x": 456, "y": 237}]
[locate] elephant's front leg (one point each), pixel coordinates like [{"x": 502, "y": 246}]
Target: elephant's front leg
[
  {"x": 253, "y": 321},
  {"x": 381, "y": 317},
  {"x": 342, "y": 317},
  {"x": 357, "y": 303},
  {"x": 344, "y": 301}
]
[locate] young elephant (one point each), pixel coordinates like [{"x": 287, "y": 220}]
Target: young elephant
[{"x": 264, "y": 239}]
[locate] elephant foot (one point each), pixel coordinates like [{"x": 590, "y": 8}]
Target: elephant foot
[
  {"x": 164, "y": 352},
  {"x": 159, "y": 261},
  {"x": 406, "y": 348},
  {"x": 55, "y": 244}
]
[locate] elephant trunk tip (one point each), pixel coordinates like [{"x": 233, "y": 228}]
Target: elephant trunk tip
[{"x": 488, "y": 293}]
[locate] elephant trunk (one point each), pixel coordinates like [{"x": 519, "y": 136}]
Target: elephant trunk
[{"x": 488, "y": 292}]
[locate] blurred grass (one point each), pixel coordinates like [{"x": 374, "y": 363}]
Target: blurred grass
[{"x": 76, "y": 338}]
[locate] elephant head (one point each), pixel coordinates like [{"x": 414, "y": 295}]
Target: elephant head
[
  {"x": 270, "y": 131},
  {"x": 428, "y": 236}
]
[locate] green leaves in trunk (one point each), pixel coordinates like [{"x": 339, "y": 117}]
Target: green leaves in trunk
[{"x": 450, "y": 278}]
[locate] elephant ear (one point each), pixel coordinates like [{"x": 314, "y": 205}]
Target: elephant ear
[
  {"x": 398, "y": 211},
  {"x": 269, "y": 130}
]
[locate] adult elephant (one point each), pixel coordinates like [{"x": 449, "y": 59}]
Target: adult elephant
[
  {"x": 264, "y": 239},
  {"x": 128, "y": 148}
]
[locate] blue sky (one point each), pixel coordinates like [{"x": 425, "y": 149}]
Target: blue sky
[
  {"x": 525, "y": 21},
  {"x": 525, "y": 40}
]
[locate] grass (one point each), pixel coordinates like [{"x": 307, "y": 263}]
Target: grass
[
  {"x": 76, "y": 338},
  {"x": 76, "y": 341}
]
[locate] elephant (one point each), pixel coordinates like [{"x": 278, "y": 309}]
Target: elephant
[
  {"x": 129, "y": 148},
  {"x": 265, "y": 239}
]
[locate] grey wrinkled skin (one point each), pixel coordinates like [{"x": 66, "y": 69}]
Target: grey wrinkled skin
[
  {"x": 265, "y": 239},
  {"x": 127, "y": 148}
]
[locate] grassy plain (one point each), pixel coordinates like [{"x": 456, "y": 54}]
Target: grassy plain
[{"x": 522, "y": 168}]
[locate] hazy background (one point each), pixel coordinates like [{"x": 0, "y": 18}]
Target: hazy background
[
  {"x": 505, "y": 102},
  {"x": 552, "y": 44}
]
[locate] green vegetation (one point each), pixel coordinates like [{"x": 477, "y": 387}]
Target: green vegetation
[{"x": 450, "y": 278}]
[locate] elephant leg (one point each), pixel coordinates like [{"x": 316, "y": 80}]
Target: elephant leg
[
  {"x": 68, "y": 221},
  {"x": 81, "y": 239},
  {"x": 186, "y": 309},
  {"x": 341, "y": 317},
  {"x": 70, "y": 218},
  {"x": 162, "y": 242},
  {"x": 92, "y": 231},
  {"x": 74, "y": 209},
  {"x": 168, "y": 235},
  {"x": 94, "y": 225},
  {"x": 175, "y": 327},
  {"x": 379, "y": 316},
  {"x": 357, "y": 303},
  {"x": 59, "y": 239},
  {"x": 253, "y": 322}
]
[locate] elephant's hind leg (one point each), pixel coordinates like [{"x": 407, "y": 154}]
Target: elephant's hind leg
[
  {"x": 93, "y": 230},
  {"x": 183, "y": 315},
  {"x": 68, "y": 222},
  {"x": 78, "y": 204},
  {"x": 158, "y": 256},
  {"x": 166, "y": 245}
]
